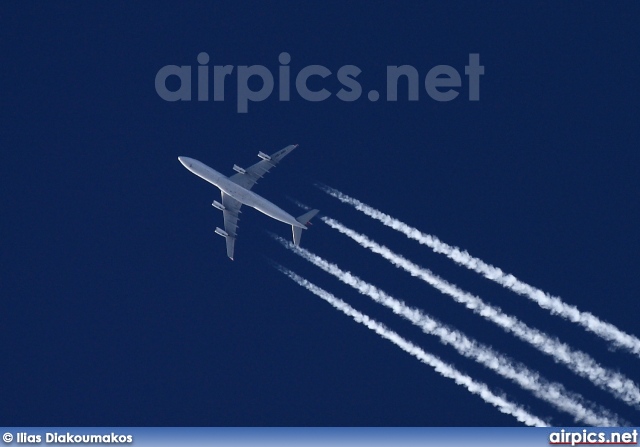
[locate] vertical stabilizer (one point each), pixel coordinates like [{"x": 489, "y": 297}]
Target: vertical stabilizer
[{"x": 297, "y": 234}]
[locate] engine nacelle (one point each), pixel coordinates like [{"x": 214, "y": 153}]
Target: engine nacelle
[
  {"x": 221, "y": 232},
  {"x": 264, "y": 156},
  {"x": 218, "y": 205},
  {"x": 239, "y": 169}
]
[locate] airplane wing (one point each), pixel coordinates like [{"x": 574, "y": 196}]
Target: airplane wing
[
  {"x": 230, "y": 213},
  {"x": 248, "y": 177}
]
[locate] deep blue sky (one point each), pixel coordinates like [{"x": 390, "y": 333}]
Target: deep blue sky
[{"x": 119, "y": 306}]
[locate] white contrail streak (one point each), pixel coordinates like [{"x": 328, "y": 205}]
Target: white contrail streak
[
  {"x": 446, "y": 370},
  {"x": 553, "y": 393},
  {"x": 579, "y": 362},
  {"x": 552, "y": 303}
]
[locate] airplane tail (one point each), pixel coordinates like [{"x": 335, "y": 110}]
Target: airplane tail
[{"x": 304, "y": 220}]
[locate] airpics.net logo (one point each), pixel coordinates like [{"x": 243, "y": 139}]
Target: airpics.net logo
[{"x": 256, "y": 83}]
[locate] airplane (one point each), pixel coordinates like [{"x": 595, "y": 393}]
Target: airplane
[{"x": 236, "y": 191}]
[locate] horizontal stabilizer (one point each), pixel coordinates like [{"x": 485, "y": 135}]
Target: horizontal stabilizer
[{"x": 306, "y": 217}]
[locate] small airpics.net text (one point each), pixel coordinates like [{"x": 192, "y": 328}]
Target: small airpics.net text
[{"x": 256, "y": 83}]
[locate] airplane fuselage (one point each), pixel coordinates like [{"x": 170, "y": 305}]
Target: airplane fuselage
[{"x": 239, "y": 193}]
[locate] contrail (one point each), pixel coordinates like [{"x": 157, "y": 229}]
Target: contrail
[
  {"x": 444, "y": 369},
  {"x": 552, "y": 303},
  {"x": 553, "y": 393},
  {"x": 579, "y": 362}
]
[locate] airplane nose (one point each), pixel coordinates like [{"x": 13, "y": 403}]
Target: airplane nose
[{"x": 183, "y": 160}]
